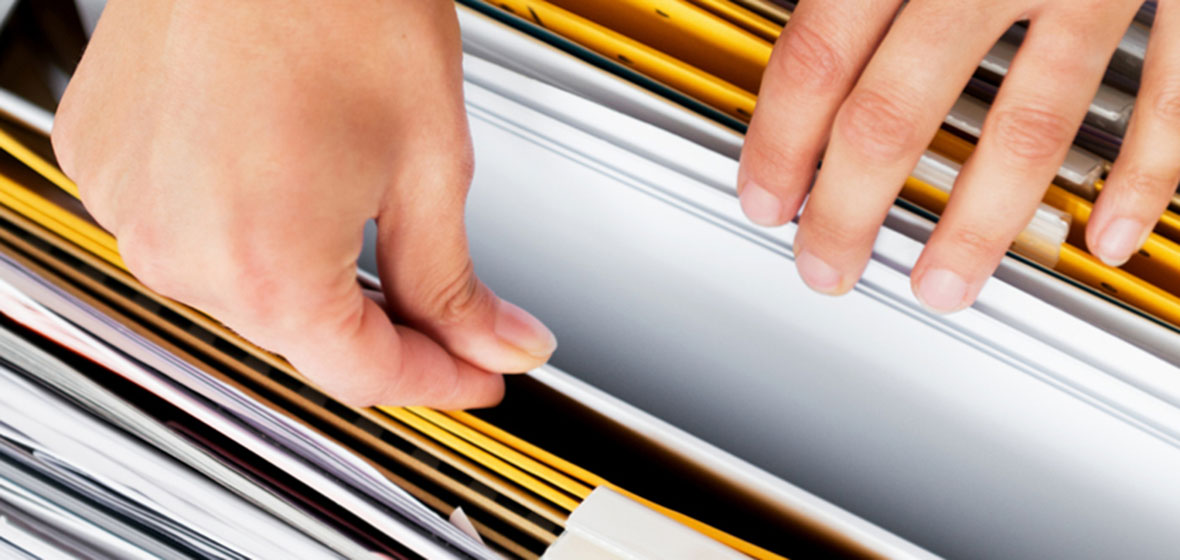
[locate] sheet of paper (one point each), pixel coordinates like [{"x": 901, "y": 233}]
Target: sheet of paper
[
  {"x": 629, "y": 235},
  {"x": 157, "y": 490},
  {"x": 302, "y": 453},
  {"x": 98, "y": 400}
]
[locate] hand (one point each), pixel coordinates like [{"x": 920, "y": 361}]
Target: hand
[
  {"x": 875, "y": 89},
  {"x": 236, "y": 150}
]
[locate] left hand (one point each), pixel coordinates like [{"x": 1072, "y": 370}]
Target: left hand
[{"x": 873, "y": 89}]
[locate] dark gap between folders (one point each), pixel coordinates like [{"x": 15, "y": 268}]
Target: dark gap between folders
[
  {"x": 229, "y": 452},
  {"x": 611, "y": 450},
  {"x": 347, "y": 440}
]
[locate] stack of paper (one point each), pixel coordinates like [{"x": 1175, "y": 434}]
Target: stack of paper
[{"x": 606, "y": 136}]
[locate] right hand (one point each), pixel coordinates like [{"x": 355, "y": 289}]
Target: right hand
[
  {"x": 867, "y": 87},
  {"x": 236, "y": 150}
]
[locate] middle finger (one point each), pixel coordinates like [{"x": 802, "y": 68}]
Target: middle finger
[{"x": 882, "y": 129}]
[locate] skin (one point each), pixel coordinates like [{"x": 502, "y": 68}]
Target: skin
[
  {"x": 867, "y": 91},
  {"x": 236, "y": 150}
]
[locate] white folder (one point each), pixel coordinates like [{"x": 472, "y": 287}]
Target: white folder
[{"x": 1042, "y": 422}]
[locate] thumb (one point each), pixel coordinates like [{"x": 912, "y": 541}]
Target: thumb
[
  {"x": 430, "y": 282},
  {"x": 303, "y": 302},
  {"x": 345, "y": 343}
]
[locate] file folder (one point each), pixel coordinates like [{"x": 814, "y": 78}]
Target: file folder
[{"x": 710, "y": 406}]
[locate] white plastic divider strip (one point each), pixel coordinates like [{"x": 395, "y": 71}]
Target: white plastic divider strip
[{"x": 610, "y": 526}]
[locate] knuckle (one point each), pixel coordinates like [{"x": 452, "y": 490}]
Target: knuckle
[
  {"x": 772, "y": 163},
  {"x": 1137, "y": 183},
  {"x": 879, "y": 126},
  {"x": 838, "y": 235},
  {"x": 810, "y": 58},
  {"x": 1030, "y": 134},
  {"x": 1066, "y": 54},
  {"x": 1165, "y": 103},
  {"x": 456, "y": 298},
  {"x": 978, "y": 241}
]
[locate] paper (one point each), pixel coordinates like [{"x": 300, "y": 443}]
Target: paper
[
  {"x": 313, "y": 453},
  {"x": 100, "y": 401}
]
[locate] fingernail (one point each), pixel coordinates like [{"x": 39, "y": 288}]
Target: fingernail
[
  {"x": 817, "y": 274},
  {"x": 520, "y": 329},
  {"x": 942, "y": 291},
  {"x": 760, "y": 206},
  {"x": 1120, "y": 240}
]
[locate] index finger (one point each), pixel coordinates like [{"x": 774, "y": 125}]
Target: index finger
[
  {"x": 814, "y": 64},
  {"x": 343, "y": 341}
]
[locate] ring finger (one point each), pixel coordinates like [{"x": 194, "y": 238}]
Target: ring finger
[{"x": 1026, "y": 135}]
